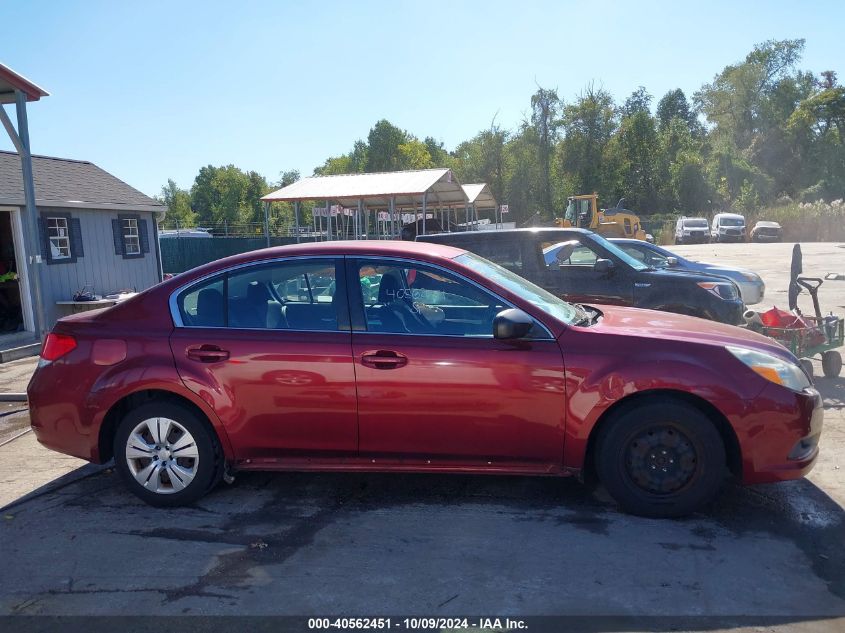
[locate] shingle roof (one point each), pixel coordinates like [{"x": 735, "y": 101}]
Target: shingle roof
[{"x": 62, "y": 182}]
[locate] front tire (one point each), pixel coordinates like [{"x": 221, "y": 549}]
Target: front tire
[
  {"x": 166, "y": 455},
  {"x": 661, "y": 459}
]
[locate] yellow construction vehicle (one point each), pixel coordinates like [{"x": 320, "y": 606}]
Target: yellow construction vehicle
[{"x": 583, "y": 212}]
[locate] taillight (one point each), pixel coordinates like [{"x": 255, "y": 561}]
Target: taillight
[{"x": 56, "y": 346}]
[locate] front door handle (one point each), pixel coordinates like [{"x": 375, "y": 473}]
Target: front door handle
[
  {"x": 207, "y": 353},
  {"x": 383, "y": 359}
]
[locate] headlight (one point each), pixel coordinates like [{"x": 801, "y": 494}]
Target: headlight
[
  {"x": 772, "y": 368},
  {"x": 722, "y": 289}
]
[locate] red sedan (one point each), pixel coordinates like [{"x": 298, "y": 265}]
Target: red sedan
[{"x": 398, "y": 356}]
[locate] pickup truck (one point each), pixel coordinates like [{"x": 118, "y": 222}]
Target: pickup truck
[{"x": 581, "y": 266}]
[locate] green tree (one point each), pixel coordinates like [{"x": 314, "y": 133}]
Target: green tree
[
  {"x": 178, "y": 202},
  {"x": 545, "y": 107},
  {"x": 589, "y": 124}
]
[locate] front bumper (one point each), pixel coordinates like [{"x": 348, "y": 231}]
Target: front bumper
[
  {"x": 779, "y": 435},
  {"x": 729, "y": 312}
]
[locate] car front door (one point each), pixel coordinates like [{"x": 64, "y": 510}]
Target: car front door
[
  {"x": 268, "y": 346},
  {"x": 435, "y": 389},
  {"x": 574, "y": 277}
]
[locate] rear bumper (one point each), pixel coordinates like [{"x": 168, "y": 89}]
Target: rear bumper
[
  {"x": 752, "y": 293},
  {"x": 779, "y": 438},
  {"x": 56, "y": 419}
]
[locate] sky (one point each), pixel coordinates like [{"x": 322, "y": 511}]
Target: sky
[{"x": 151, "y": 90}]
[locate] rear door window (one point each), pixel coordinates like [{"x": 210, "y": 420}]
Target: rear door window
[{"x": 288, "y": 295}]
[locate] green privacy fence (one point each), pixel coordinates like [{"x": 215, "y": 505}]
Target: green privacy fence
[{"x": 179, "y": 254}]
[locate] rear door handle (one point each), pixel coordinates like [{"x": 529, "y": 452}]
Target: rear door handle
[
  {"x": 207, "y": 354},
  {"x": 383, "y": 359}
]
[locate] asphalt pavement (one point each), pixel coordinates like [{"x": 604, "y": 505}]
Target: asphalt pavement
[{"x": 764, "y": 558}]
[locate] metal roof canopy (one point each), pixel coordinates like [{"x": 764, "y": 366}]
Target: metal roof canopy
[
  {"x": 10, "y": 81},
  {"x": 479, "y": 194},
  {"x": 407, "y": 189}
]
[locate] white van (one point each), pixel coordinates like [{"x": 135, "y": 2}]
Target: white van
[
  {"x": 728, "y": 227},
  {"x": 692, "y": 231}
]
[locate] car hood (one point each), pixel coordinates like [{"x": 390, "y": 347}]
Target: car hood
[
  {"x": 714, "y": 267},
  {"x": 692, "y": 275},
  {"x": 678, "y": 327}
]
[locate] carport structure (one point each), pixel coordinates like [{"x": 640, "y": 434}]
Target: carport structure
[
  {"x": 480, "y": 198},
  {"x": 374, "y": 205}
]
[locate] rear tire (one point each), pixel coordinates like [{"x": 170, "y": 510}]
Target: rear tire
[
  {"x": 172, "y": 458},
  {"x": 661, "y": 459},
  {"x": 831, "y": 363}
]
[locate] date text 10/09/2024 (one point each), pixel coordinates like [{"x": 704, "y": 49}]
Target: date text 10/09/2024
[{"x": 500, "y": 624}]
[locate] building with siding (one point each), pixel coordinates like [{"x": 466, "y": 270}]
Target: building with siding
[{"x": 95, "y": 232}]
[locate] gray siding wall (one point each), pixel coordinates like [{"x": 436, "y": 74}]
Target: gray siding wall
[{"x": 100, "y": 268}]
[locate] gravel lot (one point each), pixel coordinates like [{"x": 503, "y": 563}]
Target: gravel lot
[{"x": 320, "y": 544}]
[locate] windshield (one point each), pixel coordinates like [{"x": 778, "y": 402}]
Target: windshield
[
  {"x": 731, "y": 222},
  {"x": 696, "y": 223},
  {"x": 615, "y": 250},
  {"x": 546, "y": 301}
]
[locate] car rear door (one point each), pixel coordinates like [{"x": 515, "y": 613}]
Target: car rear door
[
  {"x": 434, "y": 387},
  {"x": 268, "y": 346}
]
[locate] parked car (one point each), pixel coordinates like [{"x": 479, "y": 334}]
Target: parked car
[
  {"x": 692, "y": 231},
  {"x": 454, "y": 364},
  {"x": 752, "y": 289},
  {"x": 728, "y": 227},
  {"x": 765, "y": 231},
  {"x": 581, "y": 266}
]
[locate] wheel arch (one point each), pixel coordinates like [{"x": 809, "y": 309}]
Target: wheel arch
[
  {"x": 733, "y": 451},
  {"x": 121, "y": 407}
]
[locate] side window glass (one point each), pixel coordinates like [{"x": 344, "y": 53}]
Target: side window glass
[
  {"x": 635, "y": 253},
  {"x": 411, "y": 299},
  {"x": 295, "y": 295},
  {"x": 204, "y": 305},
  {"x": 580, "y": 256}
]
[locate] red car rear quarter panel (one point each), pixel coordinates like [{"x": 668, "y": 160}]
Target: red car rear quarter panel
[
  {"x": 602, "y": 368},
  {"x": 70, "y": 397}
]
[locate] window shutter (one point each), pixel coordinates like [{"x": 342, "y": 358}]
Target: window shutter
[
  {"x": 46, "y": 253},
  {"x": 144, "y": 236},
  {"x": 76, "y": 249},
  {"x": 117, "y": 234}
]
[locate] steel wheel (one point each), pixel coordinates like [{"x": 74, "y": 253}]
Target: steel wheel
[
  {"x": 661, "y": 460},
  {"x": 162, "y": 455}
]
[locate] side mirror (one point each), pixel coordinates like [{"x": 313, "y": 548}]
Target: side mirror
[
  {"x": 603, "y": 265},
  {"x": 511, "y": 324},
  {"x": 671, "y": 261}
]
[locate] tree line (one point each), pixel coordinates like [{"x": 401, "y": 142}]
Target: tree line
[{"x": 763, "y": 132}]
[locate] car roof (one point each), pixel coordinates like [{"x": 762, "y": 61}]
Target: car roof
[
  {"x": 362, "y": 248},
  {"x": 728, "y": 215},
  {"x": 503, "y": 233}
]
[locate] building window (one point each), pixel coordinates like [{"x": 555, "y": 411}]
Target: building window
[
  {"x": 131, "y": 239},
  {"x": 59, "y": 236},
  {"x": 131, "y": 236}
]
